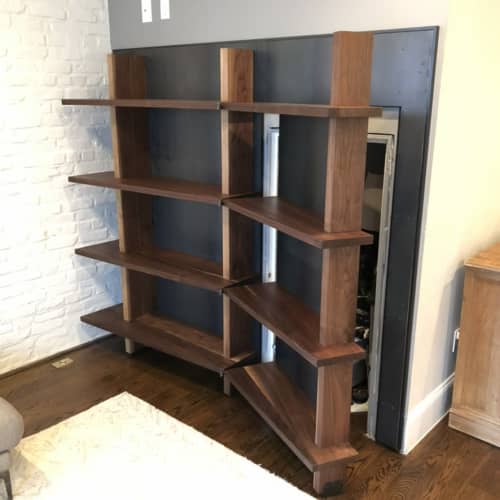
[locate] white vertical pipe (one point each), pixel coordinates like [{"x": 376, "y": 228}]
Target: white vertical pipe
[
  {"x": 269, "y": 234},
  {"x": 130, "y": 346}
]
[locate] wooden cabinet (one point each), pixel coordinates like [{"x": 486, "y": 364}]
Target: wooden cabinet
[{"x": 476, "y": 395}]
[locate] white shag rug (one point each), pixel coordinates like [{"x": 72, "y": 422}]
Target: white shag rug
[{"x": 124, "y": 448}]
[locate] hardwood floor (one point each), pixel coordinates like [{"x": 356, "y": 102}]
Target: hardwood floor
[{"x": 446, "y": 465}]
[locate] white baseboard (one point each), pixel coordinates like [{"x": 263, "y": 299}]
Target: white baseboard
[{"x": 427, "y": 414}]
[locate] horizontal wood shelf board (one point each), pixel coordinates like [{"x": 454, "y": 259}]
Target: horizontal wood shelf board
[
  {"x": 295, "y": 221},
  {"x": 166, "y": 335},
  {"x": 292, "y": 321},
  {"x": 287, "y": 411},
  {"x": 167, "y": 264},
  {"x": 146, "y": 103},
  {"x": 311, "y": 110},
  {"x": 156, "y": 186},
  {"x": 282, "y": 108}
]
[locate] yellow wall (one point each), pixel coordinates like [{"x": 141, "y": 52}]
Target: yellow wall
[{"x": 462, "y": 213}]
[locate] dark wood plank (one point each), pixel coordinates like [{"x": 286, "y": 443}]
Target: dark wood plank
[
  {"x": 130, "y": 137},
  {"x": 335, "y": 388},
  {"x": 311, "y": 110},
  {"x": 345, "y": 174},
  {"x": 297, "y": 109},
  {"x": 236, "y": 84},
  {"x": 157, "y": 186},
  {"x": 344, "y": 188},
  {"x": 288, "y": 412},
  {"x": 292, "y": 321},
  {"x": 295, "y": 221},
  {"x": 167, "y": 264},
  {"x": 168, "y": 336},
  {"x": 351, "y": 68},
  {"x": 146, "y": 103}
]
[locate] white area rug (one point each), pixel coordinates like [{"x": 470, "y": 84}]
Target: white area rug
[{"x": 124, "y": 448}]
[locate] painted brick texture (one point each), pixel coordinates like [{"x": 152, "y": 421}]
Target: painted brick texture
[{"x": 51, "y": 49}]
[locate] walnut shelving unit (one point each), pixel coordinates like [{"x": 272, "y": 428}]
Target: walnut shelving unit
[{"x": 317, "y": 434}]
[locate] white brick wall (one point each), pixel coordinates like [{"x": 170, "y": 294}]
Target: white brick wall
[{"x": 51, "y": 49}]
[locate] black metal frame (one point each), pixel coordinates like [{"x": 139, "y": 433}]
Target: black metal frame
[{"x": 409, "y": 184}]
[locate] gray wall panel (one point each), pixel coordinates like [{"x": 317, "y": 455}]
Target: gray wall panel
[{"x": 207, "y": 21}]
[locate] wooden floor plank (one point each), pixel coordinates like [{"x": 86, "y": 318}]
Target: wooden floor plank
[{"x": 46, "y": 395}]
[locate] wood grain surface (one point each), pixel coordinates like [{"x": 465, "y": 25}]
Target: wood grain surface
[
  {"x": 292, "y": 321},
  {"x": 168, "y": 336},
  {"x": 344, "y": 188},
  {"x": 286, "y": 409},
  {"x": 283, "y": 108},
  {"x": 130, "y": 137},
  {"x": 236, "y": 83},
  {"x": 145, "y": 103},
  {"x": 295, "y": 221},
  {"x": 167, "y": 264},
  {"x": 157, "y": 186},
  {"x": 446, "y": 465},
  {"x": 476, "y": 392}
]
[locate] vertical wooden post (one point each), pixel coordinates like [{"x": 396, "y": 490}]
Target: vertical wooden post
[
  {"x": 236, "y": 84},
  {"x": 345, "y": 172},
  {"x": 129, "y": 127}
]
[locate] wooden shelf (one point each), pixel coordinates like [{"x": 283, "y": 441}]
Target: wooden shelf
[
  {"x": 167, "y": 264},
  {"x": 145, "y": 103},
  {"x": 311, "y": 110},
  {"x": 295, "y": 221},
  {"x": 168, "y": 336},
  {"x": 288, "y": 412},
  {"x": 318, "y": 434},
  {"x": 292, "y": 321},
  {"x": 282, "y": 108},
  {"x": 157, "y": 186}
]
